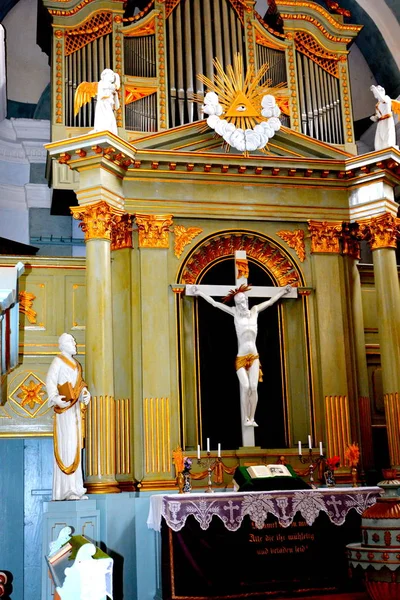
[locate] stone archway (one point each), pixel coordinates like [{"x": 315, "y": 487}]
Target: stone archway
[{"x": 259, "y": 248}]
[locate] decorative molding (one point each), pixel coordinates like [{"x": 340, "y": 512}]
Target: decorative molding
[
  {"x": 259, "y": 249},
  {"x": 392, "y": 411},
  {"x": 123, "y": 437},
  {"x": 153, "y": 230},
  {"x": 325, "y": 236},
  {"x": 25, "y": 306},
  {"x": 38, "y": 195},
  {"x": 337, "y": 418},
  {"x": 381, "y": 232},
  {"x": 157, "y": 436},
  {"x": 121, "y": 233},
  {"x": 35, "y": 151},
  {"x": 183, "y": 237},
  {"x": 295, "y": 240},
  {"x": 96, "y": 219}
]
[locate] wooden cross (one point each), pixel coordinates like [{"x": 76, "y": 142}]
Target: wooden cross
[{"x": 241, "y": 275}]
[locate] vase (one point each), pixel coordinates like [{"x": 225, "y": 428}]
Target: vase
[
  {"x": 180, "y": 482},
  {"x": 354, "y": 476},
  {"x": 329, "y": 478}
]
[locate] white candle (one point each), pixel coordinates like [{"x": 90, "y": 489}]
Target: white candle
[
  {"x": 208, "y": 444},
  {"x": 309, "y": 442},
  {"x": 320, "y": 449},
  {"x": 300, "y": 451},
  {"x": 219, "y": 450},
  {"x": 198, "y": 451}
]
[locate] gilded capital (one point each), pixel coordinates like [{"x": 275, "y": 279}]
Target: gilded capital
[
  {"x": 351, "y": 240},
  {"x": 381, "y": 232},
  {"x": 96, "y": 219},
  {"x": 153, "y": 230},
  {"x": 325, "y": 236},
  {"x": 121, "y": 233}
]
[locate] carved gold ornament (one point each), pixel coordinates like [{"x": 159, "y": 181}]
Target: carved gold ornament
[
  {"x": 381, "y": 232},
  {"x": 121, "y": 233},
  {"x": 261, "y": 250},
  {"x": 31, "y": 394},
  {"x": 25, "y": 306},
  {"x": 295, "y": 240},
  {"x": 242, "y": 265},
  {"x": 28, "y": 399},
  {"x": 183, "y": 237},
  {"x": 351, "y": 240},
  {"x": 325, "y": 236},
  {"x": 153, "y": 230},
  {"x": 241, "y": 110},
  {"x": 96, "y": 219}
]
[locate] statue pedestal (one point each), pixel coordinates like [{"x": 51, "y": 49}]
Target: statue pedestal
[
  {"x": 248, "y": 436},
  {"x": 81, "y": 515}
]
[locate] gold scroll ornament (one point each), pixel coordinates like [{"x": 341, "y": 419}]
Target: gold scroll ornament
[{"x": 183, "y": 237}]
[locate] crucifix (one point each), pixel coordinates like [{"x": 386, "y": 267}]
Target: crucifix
[{"x": 248, "y": 367}]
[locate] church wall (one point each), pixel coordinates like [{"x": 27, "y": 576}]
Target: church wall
[
  {"x": 57, "y": 305},
  {"x": 28, "y": 70}
]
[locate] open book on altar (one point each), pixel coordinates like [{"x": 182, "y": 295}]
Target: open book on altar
[{"x": 256, "y": 471}]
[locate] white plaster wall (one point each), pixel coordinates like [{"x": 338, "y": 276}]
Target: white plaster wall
[
  {"x": 361, "y": 79},
  {"x": 14, "y": 225},
  {"x": 28, "y": 71},
  {"x": 387, "y": 23}
]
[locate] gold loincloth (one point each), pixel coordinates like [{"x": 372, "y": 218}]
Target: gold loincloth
[{"x": 246, "y": 362}]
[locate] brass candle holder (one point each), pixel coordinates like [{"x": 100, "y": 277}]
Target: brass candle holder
[
  {"x": 209, "y": 463},
  {"x": 314, "y": 460}
]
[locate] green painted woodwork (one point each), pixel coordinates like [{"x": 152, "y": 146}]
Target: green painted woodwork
[
  {"x": 99, "y": 335},
  {"x": 388, "y": 311}
]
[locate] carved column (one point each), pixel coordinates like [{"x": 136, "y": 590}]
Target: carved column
[
  {"x": 332, "y": 323},
  {"x": 381, "y": 233},
  {"x": 158, "y": 401},
  {"x": 361, "y": 411},
  {"x": 121, "y": 246},
  {"x": 96, "y": 221}
]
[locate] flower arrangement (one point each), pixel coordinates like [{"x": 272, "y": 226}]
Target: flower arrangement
[
  {"x": 352, "y": 454},
  {"x": 187, "y": 463},
  {"x": 182, "y": 463},
  {"x": 332, "y": 463}
]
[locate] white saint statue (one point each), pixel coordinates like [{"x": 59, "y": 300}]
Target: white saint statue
[
  {"x": 385, "y": 136},
  {"x": 66, "y": 393},
  {"x": 248, "y": 368},
  {"x": 106, "y": 92}
]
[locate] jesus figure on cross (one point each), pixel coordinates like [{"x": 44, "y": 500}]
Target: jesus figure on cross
[{"x": 248, "y": 367}]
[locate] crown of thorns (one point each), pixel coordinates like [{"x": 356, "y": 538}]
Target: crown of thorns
[{"x": 240, "y": 290}]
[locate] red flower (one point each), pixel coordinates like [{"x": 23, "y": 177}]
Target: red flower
[{"x": 333, "y": 463}]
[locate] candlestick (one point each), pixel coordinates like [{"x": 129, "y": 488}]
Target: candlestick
[
  {"x": 300, "y": 450},
  {"x": 198, "y": 451},
  {"x": 320, "y": 449},
  {"x": 208, "y": 444},
  {"x": 309, "y": 442},
  {"x": 219, "y": 450}
]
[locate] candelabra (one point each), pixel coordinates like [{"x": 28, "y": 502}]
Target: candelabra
[
  {"x": 209, "y": 462},
  {"x": 313, "y": 461}
]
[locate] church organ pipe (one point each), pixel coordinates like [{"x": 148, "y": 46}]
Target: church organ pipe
[
  {"x": 142, "y": 114},
  {"x": 139, "y": 56},
  {"x": 194, "y": 39},
  {"x": 85, "y": 64},
  {"x": 319, "y": 95},
  {"x": 275, "y": 59},
  {"x": 189, "y": 63}
]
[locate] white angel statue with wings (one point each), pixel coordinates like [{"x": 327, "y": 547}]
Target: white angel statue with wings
[
  {"x": 385, "y": 108},
  {"x": 106, "y": 91}
]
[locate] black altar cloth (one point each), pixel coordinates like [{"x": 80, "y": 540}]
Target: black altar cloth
[{"x": 287, "y": 543}]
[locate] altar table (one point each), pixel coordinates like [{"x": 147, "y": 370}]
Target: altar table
[{"x": 272, "y": 543}]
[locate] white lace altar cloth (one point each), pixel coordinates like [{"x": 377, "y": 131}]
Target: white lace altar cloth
[{"x": 231, "y": 508}]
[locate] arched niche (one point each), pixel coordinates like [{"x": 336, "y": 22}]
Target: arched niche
[{"x": 208, "y": 346}]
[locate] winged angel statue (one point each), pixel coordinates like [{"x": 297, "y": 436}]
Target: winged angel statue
[
  {"x": 106, "y": 91},
  {"x": 385, "y": 108}
]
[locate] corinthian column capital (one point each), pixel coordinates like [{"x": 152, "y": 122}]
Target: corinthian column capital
[
  {"x": 153, "y": 230},
  {"x": 121, "y": 234},
  {"x": 97, "y": 219},
  {"x": 381, "y": 232},
  {"x": 325, "y": 236}
]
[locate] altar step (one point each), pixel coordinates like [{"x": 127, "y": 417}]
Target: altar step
[{"x": 347, "y": 596}]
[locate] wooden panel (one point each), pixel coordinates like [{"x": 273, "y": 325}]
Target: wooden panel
[{"x": 75, "y": 302}]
